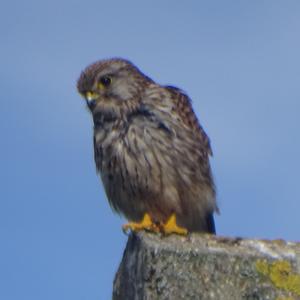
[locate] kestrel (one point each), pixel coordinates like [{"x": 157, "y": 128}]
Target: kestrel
[{"x": 150, "y": 150}]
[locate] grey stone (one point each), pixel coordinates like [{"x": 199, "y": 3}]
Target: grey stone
[{"x": 202, "y": 266}]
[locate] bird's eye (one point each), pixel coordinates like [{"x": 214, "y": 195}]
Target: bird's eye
[{"x": 104, "y": 81}]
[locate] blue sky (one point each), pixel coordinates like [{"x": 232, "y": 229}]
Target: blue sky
[{"x": 239, "y": 62}]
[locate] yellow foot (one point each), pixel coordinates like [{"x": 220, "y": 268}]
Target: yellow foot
[
  {"x": 172, "y": 227},
  {"x": 145, "y": 224}
]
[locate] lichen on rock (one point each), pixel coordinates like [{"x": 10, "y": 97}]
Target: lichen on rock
[{"x": 202, "y": 266}]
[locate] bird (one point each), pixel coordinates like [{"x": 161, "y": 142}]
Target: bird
[{"x": 150, "y": 150}]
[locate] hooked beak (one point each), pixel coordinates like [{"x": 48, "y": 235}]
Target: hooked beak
[{"x": 90, "y": 99}]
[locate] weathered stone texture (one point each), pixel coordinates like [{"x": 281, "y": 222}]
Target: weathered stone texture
[{"x": 207, "y": 267}]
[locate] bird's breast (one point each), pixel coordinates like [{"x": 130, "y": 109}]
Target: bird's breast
[{"x": 129, "y": 158}]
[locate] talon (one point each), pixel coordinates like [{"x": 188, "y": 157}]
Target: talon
[
  {"x": 145, "y": 224},
  {"x": 171, "y": 227}
]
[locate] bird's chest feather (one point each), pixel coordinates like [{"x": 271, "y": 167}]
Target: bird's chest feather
[{"x": 132, "y": 158}]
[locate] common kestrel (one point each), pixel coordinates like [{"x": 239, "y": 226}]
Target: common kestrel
[{"x": 150, "y": 150}]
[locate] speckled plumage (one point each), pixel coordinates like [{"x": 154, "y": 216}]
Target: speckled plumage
[{"x": 150, "y": 150}]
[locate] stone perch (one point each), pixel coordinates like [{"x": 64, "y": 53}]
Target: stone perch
[{"x": 207, "y": 267}]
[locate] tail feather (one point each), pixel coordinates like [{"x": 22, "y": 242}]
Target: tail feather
[{"x": 211, "y": 228}]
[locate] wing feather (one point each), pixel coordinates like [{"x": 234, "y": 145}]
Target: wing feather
[{"x": 183, "y": 108}]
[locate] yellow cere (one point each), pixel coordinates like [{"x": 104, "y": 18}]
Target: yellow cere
[{"x": 91, "y": 95}]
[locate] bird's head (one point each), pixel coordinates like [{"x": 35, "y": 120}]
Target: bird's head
[{"x": 112, "y": 86}]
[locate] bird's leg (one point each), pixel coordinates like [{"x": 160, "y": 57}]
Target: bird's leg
[
  {"x": 145, "y": 224},
  {"x": 171, "y": 227}
]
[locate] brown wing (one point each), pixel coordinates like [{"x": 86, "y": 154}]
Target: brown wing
[{"x": 186, "y": 113}]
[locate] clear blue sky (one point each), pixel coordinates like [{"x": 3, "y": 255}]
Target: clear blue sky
[{"x": 239, "y": 62}]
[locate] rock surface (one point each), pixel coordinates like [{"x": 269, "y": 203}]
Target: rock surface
[{"x": 207, "y": 267}]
